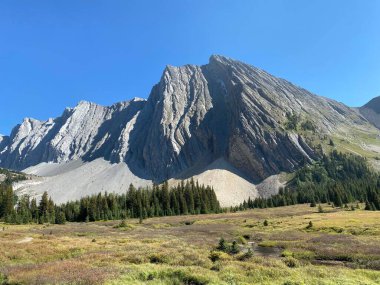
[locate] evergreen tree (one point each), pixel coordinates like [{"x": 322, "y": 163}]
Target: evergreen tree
[
  {"x": 222, "y": 245},
  {"x": 43, "y": 208}
]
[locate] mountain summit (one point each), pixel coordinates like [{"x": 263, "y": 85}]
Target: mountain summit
[
  {"x": 223, "y": 115},
  {"x": 197, "y": 114}
]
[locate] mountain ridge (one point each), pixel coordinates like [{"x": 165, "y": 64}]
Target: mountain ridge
[{"x": 225, "y": 110}]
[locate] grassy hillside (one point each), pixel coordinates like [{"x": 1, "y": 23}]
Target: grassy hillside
[{"x": 340, "y": 247}]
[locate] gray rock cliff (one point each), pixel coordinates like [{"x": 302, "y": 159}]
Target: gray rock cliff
[{"x": 195, "y": 115}]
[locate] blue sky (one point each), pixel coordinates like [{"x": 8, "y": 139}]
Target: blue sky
[{"x": 56, "y": 53}]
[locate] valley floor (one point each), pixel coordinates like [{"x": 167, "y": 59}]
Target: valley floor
[{"x": 341, "y": 247}]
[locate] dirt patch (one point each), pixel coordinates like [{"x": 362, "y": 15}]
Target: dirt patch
[{"x": 25, "y": 240}]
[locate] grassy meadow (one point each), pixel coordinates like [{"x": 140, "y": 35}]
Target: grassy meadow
[{"x": 340, "y": 246}]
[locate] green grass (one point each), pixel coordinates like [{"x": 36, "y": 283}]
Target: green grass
[{"x": 342, "y": 247}]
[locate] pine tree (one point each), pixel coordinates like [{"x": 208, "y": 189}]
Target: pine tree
[
  {"x": 60, "y": 218},
  {"x": 222, "y": 245},
  {"x": 43, "y": 208},
  {"x": 234, "y": 248},
  {"x": 8, "y": 201}
]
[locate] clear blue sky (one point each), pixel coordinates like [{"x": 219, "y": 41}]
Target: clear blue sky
[{"x": 56, "y": 53}]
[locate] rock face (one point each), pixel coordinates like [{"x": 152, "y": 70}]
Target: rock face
[
  {"x": 228, "y": 109},
  {"x": 194, "y": 116},
  {"x": 87, "y": 131},
  {"x": 371, "y": 111}
]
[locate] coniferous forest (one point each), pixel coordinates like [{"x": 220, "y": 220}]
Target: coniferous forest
[
  {"x": 337, "y": 178},
  {"x": 186, "y": 198}
]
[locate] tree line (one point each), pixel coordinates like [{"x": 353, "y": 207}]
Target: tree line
[
  {"x": 160, "y": 200},
  {"x": 337, "y": 178}
]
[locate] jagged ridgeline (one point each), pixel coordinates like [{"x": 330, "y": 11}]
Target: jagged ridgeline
[
  {"x": 228, "y": 124},
  {"x": 157, "y": 201}
]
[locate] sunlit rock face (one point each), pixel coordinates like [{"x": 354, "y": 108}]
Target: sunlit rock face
[
  {"x": 195, "y": 115},
  {"x": 87, "y": 131},
  {"x": 228, "y": 109}
]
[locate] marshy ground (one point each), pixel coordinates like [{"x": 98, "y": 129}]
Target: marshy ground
[{"x": 341, "y": 247}]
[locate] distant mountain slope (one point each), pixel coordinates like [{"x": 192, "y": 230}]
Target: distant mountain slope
[
  {"x": 371, "y": 111},
  {"x": 195, "y": 117}
]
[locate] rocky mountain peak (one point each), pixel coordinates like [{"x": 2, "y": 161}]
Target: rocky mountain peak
[{"x": 225, "y": 110}]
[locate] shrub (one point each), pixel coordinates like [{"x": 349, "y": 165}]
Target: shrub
[
  {"x": 215, "y": 255},
  {"x": 186, "y": 277},
  {"x": 287, "y": 253},
  {"x": 3, "y": 279},
  {"x": 245, "y": 256},
  {"x": 292, "y": 121},
  {"x": 307, "y": 126},
  {"x": 157, "y": 258},
  {"x": 234, "y": 248},
  {"x": 291, "y": 262},
  {"x": 217, "y": 266},
  {"x": 310, "y": 225},
  {"x": 266, "y": 223},
  {"x": 247, "y": 236},
  {"x": 123, "y": 225},
  {"x": 242, "y": 240},
  {"x": 222, "y": 245}
]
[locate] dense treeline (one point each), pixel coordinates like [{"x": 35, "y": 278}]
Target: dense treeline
[
  {"x": 337, "y": 178},
  {"x": 186, "y": 198}
]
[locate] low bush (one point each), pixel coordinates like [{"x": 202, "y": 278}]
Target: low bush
[
  {"x": 291, "y": 262},
  {"x": 216, "y": 255},
  {"x": 287, "y": 253},
  {"x": 242, "y": 240},
  {"x": 158, "y": 258},
  {"x": 246, "y": 256},
  {"x": 3, "y": 279}
]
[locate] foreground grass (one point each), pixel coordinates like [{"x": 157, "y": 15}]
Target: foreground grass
[{"x": 341, "y": 247}]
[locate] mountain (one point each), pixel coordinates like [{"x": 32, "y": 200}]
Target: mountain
[
  {"x": 371, "y": 111},
  {"x": 229, "y": 109},
  {"x": 226, "y": 123},
  {"x": 87, "y": 131}
]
